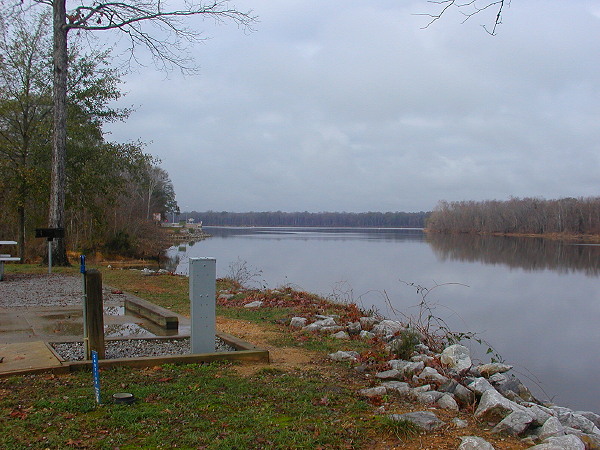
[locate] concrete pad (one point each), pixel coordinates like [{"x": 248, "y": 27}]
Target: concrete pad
[{"x": 27, "y": 357}]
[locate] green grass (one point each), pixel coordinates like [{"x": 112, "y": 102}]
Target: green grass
[
  {"x": 193, "y": 406},
  {"x": 185, "y": 406}
]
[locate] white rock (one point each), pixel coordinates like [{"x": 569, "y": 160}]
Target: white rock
[
  {"x": 457, "y": 357},
  {"x": 424, "y": 388},
  {"x": 423, "y": 419},
  {"x": 552, "y": 427},
  {"x": 387, "y": 327},
  {"x": 328, "y": 322},
  {"x": 459, "y": 423},
  {"x": 474, "y": 443},
  {"x": 430, "y": 375},
  {"x": 488, "y": 370},
  {"x": 366, "y": 334},
  {"x": 568, "y": 442},
  {"x": 377, "y": 391},
  {"x": 446, "y": 401},
  {"x": 515, "y": 423},
  {"x": 493, "y": 406},
  {"x": 256, "y": 304},
  {"x": 397, "y": 387},
  {"x": 341, "y": 335},
  {"x": 367, "y": 323},
  {"x": 480, "y": 385},
  {"x": 540, "y": 413},
  {"x": 422, "y": 358},
  {"x": 406, "y": 367},
  {"x": 343, "y": 356},
  {"x": 429, "y": 397},
  {"x": 591, "y": 416},
  {"x": 392, "y": 374},
  {"x": 579, "y": 422},
  {"x": 298, "y": 322}
]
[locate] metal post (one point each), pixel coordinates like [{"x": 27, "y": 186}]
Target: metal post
[
  {"x": 203, "y": 273},
  {"x": 49, "y": 255}
]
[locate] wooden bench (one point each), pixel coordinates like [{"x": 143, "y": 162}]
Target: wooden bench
[{"x": 6, "y": 257}]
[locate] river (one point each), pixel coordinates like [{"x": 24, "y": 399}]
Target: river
[{"x": 536, "y": 301}]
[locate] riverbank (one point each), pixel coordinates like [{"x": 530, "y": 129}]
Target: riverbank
[
  {"x": 355, "y": 417},
  {"x": 568, "y": 237}
]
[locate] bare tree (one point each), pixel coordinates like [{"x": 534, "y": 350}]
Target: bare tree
[
  {"x": 150, "y": 23},
  {"x": 470, "y": 8}
]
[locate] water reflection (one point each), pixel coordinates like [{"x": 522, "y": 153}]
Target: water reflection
[{"x": 530, "y": 254}]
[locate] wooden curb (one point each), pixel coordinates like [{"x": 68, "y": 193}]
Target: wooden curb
[{"x": 245, "y": 352}]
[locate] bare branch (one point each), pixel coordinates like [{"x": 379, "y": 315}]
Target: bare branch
[{"x": 468, "y": 8}]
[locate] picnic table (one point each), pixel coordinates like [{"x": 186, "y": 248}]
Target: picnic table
[{"x": 6, "y": 257}]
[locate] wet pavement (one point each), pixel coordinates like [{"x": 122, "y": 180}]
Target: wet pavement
[{"x": 25, "y": 331}]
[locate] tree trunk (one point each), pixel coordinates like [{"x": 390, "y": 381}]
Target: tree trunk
[{"x": 56, "y": 215}]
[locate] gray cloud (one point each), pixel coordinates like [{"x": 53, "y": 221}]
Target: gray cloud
[{"x": 355, "y": 107}]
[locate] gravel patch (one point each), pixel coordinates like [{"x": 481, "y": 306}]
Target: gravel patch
[
  {"x": 135, "y": 348},
  {"x": 51, "y": 289}
]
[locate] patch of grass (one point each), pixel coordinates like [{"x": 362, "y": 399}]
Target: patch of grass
[
  {"x": 256, "y": 315},
  {"x": 168, "y": 291},
  {"x": 320, "y": 343},
  {"x": 183, "y": 406},
  {"x": 402, "y": 429}
]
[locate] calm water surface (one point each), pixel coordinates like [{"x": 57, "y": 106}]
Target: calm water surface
[{"x": 536, "y": 301}]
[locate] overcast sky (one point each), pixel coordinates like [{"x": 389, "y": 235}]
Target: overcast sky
[{"x": 353, "y": 106}]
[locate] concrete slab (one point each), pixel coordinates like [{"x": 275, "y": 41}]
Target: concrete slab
[{"x": 27, "y": 357}]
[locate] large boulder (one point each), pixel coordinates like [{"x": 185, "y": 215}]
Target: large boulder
[
  {"x": 392, "y": 374},
  {"x": 480, "y": 385},
  {"x": 387, "y": 327},
  {"x": 487, "y": 370},
  {"x": 579, "y": 422},
  {"x": 377, "y": 391},
  {"x": 320, "y": 324},
  {"x": 551, "y": 428},
  {"x": 344, "y": 356},
  {"x": 494, "y": 407},
  {"x": 448, "y": 402},
  {"x": 515, "y": 423},
  {"x": 567, "y": 442},
  {"x": 407, "y": 368},
  {"x": 430, "y": 375},
  {"x": 456, "y": 357},
  {"x": 428, "y": 397},
  {"x": 511, "y": 386},
  {"x": 367, "y": 323},
  {"x": 463, "y": 396},
  {"x": 397, "y": 387},
  {"x": 426, "y": 420}
]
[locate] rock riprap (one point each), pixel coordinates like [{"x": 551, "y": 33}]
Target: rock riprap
[{"x": 449, "y": 380}]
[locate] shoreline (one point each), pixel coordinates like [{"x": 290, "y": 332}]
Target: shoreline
[{"x": 591, "y": 238}]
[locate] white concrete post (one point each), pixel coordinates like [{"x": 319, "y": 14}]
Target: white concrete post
[{"x": 203, "y": 274}]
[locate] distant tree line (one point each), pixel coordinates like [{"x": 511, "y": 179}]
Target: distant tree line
[
  {"x": 312, "y": 219},
  {"x": 576, "y": 216}
]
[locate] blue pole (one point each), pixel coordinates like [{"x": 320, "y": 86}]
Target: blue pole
[{"x": 96, "y": 375}]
